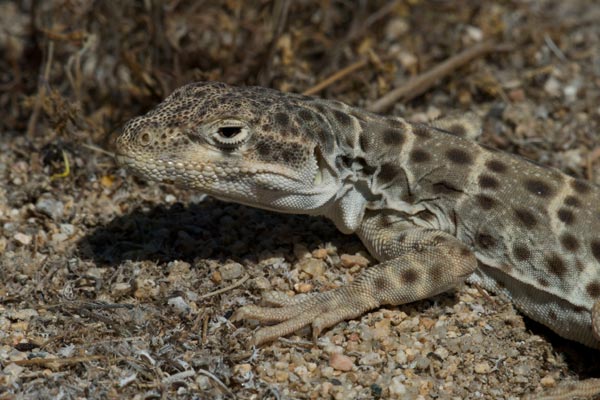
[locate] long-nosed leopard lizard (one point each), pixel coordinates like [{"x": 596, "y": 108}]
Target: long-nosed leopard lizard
[{"x": 433, "y": 207}]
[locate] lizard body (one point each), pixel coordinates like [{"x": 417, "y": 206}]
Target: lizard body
[{"x": 433, "y": 207}]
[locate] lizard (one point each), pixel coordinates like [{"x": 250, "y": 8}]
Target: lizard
[{"x": 432, "y": 206}]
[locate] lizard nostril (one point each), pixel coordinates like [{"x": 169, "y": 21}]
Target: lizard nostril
[{"x": 144, "y": 139}]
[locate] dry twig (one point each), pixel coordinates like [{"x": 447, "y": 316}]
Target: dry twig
[
  {"x": 423, "y": 82},
  {"x": 225, "y": 289},
  {"x": 335, "y": 77}
]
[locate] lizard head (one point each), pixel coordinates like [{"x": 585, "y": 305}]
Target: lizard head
[{"x": 249, "y": 145}]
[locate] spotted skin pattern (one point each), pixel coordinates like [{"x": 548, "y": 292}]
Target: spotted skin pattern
[{"x": 434, "y": 207}]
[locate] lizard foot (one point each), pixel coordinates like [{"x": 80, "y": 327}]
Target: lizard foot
[
  {"x": 411, "y": 271},
  {"x": 320, "y": 310}
]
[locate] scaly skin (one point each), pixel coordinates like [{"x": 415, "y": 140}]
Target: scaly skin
[{"x": 434, "y": 207}]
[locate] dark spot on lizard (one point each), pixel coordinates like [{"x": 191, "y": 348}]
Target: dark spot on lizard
[
  {"x": 388, "y": 172},
  {"x": 569, "y": 242},
  {"x": 393, "y": 137},
  {"x": 593, "y": 289},
  {"x": 566, "y": 216},
  {"x": 281, "y": 119},
  {"x": 364, "y": 140},
  {"x": 521, "y": 252},
  {"x": 436, "y": 273},
  {"x": 409, "y": 276},
  {"x": 465, "y": 252},
  {"x": 595, "y": 245},
  {"x": 263, "y": 148},
  {"x": 496, "y": 166},
  {"x": 552, "y": 315},
  {"x": 419, "y": 156},
  {"x": 342, "y": 118},
  {"x": 485, "y": 202},
  {"x": 488, "y": 182},
  {"x": 572, "y": 201},
  {"x": 485, "y": 241},
  {"x": 381, "y": 284},
  {"x": 543, "y": 282},
  {"x": 459, "y": 156},
  {"x": 458, "y": 130},
  {"x": 288, "y": 156},
  {"x": 306, "y": 115},
  {"x": 580, "y": 186},
  {"x": 421, "y": 131},
  {"x": 556, "y": 265},
  {"x": 526, "y": 217},
  {"x": 538, "y": 187}
]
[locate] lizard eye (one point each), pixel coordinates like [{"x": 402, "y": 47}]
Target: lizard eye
[{"x": 230, "y": 134}]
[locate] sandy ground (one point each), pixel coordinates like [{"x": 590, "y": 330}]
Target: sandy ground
[{"x": 110, "y": 285}]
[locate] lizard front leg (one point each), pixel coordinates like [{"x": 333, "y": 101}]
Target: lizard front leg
[{"x": 415, "y": 264}]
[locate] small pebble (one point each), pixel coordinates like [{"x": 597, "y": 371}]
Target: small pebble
[
  {"x": 397, "y": 388},
  {"x": 474, "y": 33},
  {"x": 203, "y": 382},
  {"x": 146, "y": 288},
  {"x": 427, "y": 323},
  {"x": 178, "y": 271},
  {"x": 261, "y": 282},
  {"x": 516, "y": 95},
  {"x": 312, "y": 267},
  {"x": 50, "y": 207},
  {"x": 341, "y": 362},
  {"x": 67, "y": 229},
  {"x": 548, "y": 381},
  {"x": 23, "y": 314},
  {"x": 231, "y": 271},
  {"x": 396, "y": 27},
  {"x": 552, "y": 87},
  {"x": 303, "y": 287},
  {"x": 371, "y": 359},
  {"x": 442, "y": 352},
  {"x": 11, "y": 373},
  {"x": 216, "y": 277},
  {"x": 482, "y": 368},
  {"x": 321, "y": 254},
  {"x": 282, "y": 376},
  {"x": 408, "y": 60},
  {"x": 179, "y": 304},
  {"x": 22, "y": 238},
  {"x": 242, "y": 372},
  {"x": 349, "y": 261}
]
